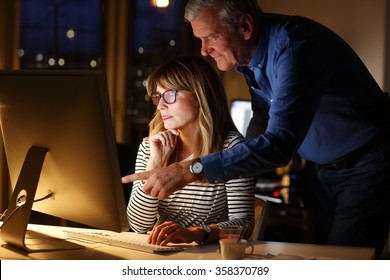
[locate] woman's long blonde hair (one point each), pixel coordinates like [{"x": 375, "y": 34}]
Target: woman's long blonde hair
[{"x": 195, "y": 75}]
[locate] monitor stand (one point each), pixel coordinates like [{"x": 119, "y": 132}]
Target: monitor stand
[{"x": 14, "y": 228}]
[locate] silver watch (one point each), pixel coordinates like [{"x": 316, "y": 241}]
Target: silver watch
[{"x": 196, "y": 168}]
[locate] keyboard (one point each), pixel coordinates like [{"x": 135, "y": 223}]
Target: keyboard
[{"x": 121, "y": 240}]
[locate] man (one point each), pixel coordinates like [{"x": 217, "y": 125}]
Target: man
[{"x": 311, "y": 95}]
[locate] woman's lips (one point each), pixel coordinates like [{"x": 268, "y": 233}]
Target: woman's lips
[{"x": 166, "y": 117}]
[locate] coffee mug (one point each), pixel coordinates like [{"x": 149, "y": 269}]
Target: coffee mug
[
  {"x": 230, "y": 231},
  {"x": 230, "y": 249}
]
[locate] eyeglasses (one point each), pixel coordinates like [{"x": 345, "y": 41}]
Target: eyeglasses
[{"x": 168, "y": 96}]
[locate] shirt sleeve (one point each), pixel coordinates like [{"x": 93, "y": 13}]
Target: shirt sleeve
[{"x": 142, "y": 209}]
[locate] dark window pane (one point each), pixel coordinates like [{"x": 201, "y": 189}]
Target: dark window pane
[
  {"x": 60, "y": 33},
  {"x": 158, "y": 35}
]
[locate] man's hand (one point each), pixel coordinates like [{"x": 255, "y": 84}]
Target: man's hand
[{"x": 161, "y": 182}]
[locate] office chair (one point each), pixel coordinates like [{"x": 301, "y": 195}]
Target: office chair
[{"x": 261, "y": 216}]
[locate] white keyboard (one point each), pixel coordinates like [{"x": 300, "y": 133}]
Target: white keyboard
[{"x": 121, "y": 240}]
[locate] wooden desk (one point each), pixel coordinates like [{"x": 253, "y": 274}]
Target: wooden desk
[{"x": 96, "y": 251}]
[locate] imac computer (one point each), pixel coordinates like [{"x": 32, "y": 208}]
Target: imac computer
[{"x": 61, "y": 151}]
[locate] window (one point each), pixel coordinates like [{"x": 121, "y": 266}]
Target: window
[
  {"x": 159, "y": 34},
  {"x": 61, "y": 34}
]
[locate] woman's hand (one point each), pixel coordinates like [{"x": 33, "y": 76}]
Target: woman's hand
[
  {"x": 172, "y": 232},
  {"x": 162, "y": 145}
]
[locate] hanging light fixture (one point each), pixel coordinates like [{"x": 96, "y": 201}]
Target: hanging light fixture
[{"x": 160, "y": 3}]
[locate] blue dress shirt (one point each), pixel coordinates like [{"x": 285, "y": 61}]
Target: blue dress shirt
[{"x": 310, "y": 93}]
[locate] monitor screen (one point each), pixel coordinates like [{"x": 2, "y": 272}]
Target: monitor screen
[
  {"x": 62, "y": 118},
  {"x": 241, "y": 112}
]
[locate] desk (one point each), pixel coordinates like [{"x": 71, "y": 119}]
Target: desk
[{"x": 96, "y": 251}]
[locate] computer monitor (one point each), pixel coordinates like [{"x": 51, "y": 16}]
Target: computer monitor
[
  {"x": 241, "y": 112},
  {"x": 61, "y": 150}
]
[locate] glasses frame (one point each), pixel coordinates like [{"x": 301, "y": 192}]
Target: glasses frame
[{"x": 162, "y": 95}]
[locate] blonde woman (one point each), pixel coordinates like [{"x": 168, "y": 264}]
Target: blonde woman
[{"x": 192, "y": 119}]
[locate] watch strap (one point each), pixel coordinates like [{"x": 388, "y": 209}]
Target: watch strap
[{"x": 207, "y": 232}]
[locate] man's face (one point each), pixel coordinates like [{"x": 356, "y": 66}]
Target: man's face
[{"x": 224, "y": 46}]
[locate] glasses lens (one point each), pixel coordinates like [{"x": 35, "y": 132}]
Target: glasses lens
[{"x": 169, "y": 96}]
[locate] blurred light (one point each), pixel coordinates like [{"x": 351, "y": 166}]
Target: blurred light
[
  {"x": 160, "y": 3},
  {"x": 39, "y": 57},
  {"x": 21, "y": 52},
  {"x": 144, "y": 83},
  {"x": 275, "y": 194},
  {"x": 139, "y": 72},
  {"x": 172, "y": 43},
  {"x": 61, "y": 62},
  {"x": 93, "y": 63},
  {"x": 70, "y": 33},
  {"x": 285, "y": 181},
  {"x": 283, "y": 213},
  {"x": 52, "y": 61},
  {"x": 141, "y": 50}
]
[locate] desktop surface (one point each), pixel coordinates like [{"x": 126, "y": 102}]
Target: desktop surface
[{"x": 99, "y": 251}]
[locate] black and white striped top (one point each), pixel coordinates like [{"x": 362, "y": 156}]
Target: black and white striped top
[{"x": 225, "y": 203}]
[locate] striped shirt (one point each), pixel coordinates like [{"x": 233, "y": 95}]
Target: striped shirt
[{"x": 224, "y": 203}]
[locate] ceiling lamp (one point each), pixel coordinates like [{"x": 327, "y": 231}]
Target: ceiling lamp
[{"x": 160, "y": 3}]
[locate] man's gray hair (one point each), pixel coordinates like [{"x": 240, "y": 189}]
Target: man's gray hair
[{"x": 229, "y": 11}]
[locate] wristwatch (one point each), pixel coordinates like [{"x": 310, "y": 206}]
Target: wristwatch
[
  {"x": 196, "y": 168},
  {"x": 207, "y": 232}
]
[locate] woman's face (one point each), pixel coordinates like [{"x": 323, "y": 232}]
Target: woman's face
[{"x": 182, "y": 114}]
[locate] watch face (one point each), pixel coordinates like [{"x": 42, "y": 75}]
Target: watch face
[{"x": 197, "y": 167}]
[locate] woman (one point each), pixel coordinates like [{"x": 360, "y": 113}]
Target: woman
[{"x": 192, "y": 119}]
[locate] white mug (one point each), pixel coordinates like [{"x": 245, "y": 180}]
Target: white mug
[{"x": 231, "y": 250}]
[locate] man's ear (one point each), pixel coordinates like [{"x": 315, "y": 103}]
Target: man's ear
[{"x": 246, "y": 26}]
